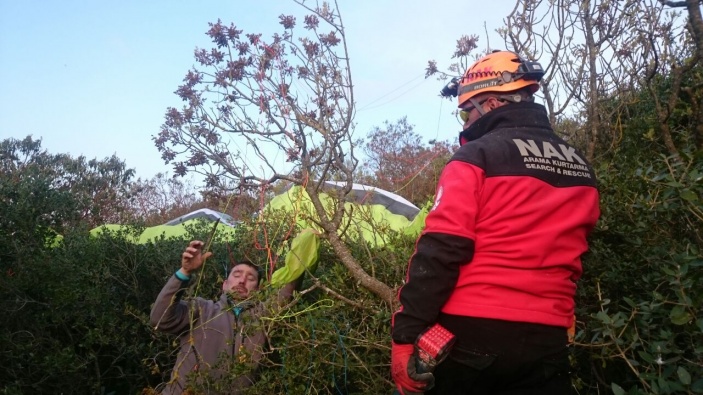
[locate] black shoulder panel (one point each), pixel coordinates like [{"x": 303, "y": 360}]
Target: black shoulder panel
[{"x": 531, "y": 152}]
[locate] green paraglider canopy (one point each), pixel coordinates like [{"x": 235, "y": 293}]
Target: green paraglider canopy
[
  {"x": 373, "y": 211},
  {"x": 418, "y": 223},
  {"x": 177, "y": 227}
]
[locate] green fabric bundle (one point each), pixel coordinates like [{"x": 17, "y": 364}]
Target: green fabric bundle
[{"x": 302, "y": 256}]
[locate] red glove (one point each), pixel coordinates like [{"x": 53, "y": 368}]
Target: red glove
[{"x": 406, "y": 378}]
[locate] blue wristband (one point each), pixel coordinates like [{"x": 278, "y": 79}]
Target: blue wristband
[{"x": 181, "y": 276}]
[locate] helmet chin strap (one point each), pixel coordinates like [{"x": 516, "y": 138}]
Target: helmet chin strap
[{"x": 477, "y": 106}]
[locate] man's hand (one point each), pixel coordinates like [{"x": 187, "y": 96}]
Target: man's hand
[
  {"x": 406, "y": 378},
  {"x": 193, "y": 258}
]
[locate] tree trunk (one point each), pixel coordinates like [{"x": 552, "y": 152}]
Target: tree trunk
[
  {"x": 378, "y": 288},
  {"x": 694, "y": 17},
  {"x": 367, "y": 281},
  {"x": 696, "y": 21},
  {"x": 592, "y": 103}
]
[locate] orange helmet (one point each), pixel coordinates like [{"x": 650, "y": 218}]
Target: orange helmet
[{"x": 500, "y": 71}]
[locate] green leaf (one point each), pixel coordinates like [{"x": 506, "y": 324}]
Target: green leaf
[
  {"x": 603, "y": 317},
  {"x": 684, "y": 376},
  {"x": 688, "y": 195},
  {"x": 679, "y": 315},
  {"x": 646, "y": 356},
  {"x": 683, "y": 269},
  {"x": 699, "y": 323},
  {"x": 629, "y": 302},
  {"x": 617, "y": 390},
  {"x": 695, "y": 176}
]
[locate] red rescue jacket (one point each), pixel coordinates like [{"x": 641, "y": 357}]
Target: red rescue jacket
[{"x": 506, "y": 233}]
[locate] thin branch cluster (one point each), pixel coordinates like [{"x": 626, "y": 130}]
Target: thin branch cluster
[{"x": 258, "y": 110}]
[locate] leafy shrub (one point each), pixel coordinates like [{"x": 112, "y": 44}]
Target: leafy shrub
[{"x": 641, "y": 297}]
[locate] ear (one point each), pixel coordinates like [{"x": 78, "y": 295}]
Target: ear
[{"x": 493, "y": 103}]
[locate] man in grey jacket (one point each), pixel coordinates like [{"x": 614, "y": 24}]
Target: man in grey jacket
[{"x": 221, "y": 342}]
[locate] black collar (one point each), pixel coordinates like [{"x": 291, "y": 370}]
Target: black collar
[{"x": 513, "y": 115}]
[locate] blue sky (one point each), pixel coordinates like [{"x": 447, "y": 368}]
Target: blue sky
[{"x": 94, "y": 78}]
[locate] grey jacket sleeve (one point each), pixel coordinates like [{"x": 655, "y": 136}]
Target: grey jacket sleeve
[{"x": 170, "y": 314}]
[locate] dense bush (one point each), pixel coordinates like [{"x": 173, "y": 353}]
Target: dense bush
[
  {"x": 78, "y": 305},
  {"x": 324, "y": 345},
  {"x": 640, "y": 301},
  {"x": 78, "y": 314}
]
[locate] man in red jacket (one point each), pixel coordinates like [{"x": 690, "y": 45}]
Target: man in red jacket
[{"x": 497, "y": 263}]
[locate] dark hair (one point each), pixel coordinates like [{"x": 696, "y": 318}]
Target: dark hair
[{"x": 259, "y": 270}]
